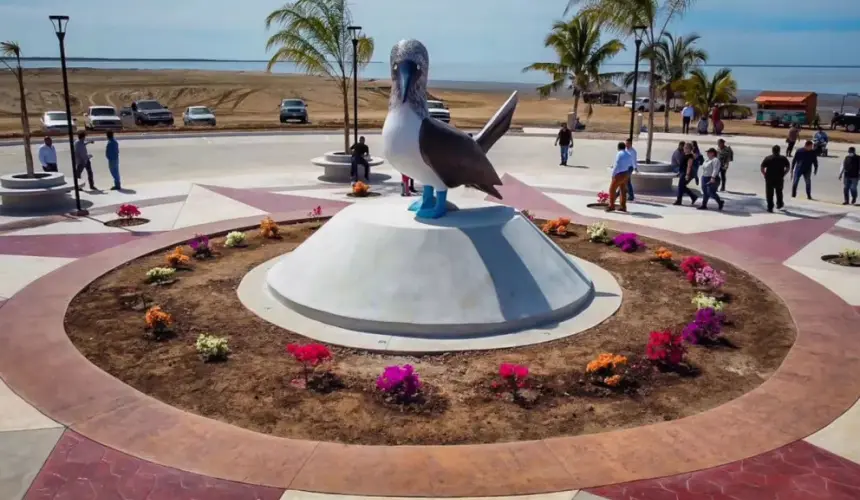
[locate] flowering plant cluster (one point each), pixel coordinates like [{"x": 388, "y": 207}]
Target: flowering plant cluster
[
  {"x": 702, "y": 301},
  {"x": 665, "y": 348},
  {"x": 128, "y": 211},
  {"x": 663, "y": 254},
  {"x": 706, "y": 327},
  {"x": 556, "y": 226},
  {"x": 607, "y": 369},
  {"x": 690, "y": 265},
  {"x": 177, "y": 259},
  {"x": 360, "y": 189},
  {"x": 850, "y": 254},
  {"x": 513, "y": 378},
  {"x": 628, "y": 242},
  {"x": 158, "y": 321},
  {"x": 160, "y": 274},
  {"x": 235, "y": 239},
  {"x": 269, "y": 228},
  {"x": 310, "y": 356},
  {"x": 710, "y": 278},
  {"x": 399, "y": 383},
  {"x": 200, "y": 246},
  {"x": 603, "y": 197},
  {"x": 316, "y": 212},
  {"x": 597, "y": 232},
  {"x": 212, "y": 348}
]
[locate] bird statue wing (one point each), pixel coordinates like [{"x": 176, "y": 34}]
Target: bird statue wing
[
  {"x": 498, "y": 124},
  {"x": 456, "y": 158}
]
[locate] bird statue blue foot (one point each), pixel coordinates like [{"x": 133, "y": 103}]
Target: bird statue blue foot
[
  {"x": 427, "y": 200},
  {"x": 437, "y": 210}
]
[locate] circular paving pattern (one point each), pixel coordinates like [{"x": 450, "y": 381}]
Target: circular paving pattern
[{"x": 43, "y": 366}]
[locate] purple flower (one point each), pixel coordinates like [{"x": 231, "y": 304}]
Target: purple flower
[
  {"x": 399, "y": 381},
  {"x": 200, "y": 241},
  {"x": 706, "y": 326},
  {"x": 628, "y": 242},
  {"x": 709, "y": 277}
]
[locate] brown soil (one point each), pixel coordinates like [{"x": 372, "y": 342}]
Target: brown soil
[
  {"x": 257, "y": 389},
  {"x": 137, "y": 221}
]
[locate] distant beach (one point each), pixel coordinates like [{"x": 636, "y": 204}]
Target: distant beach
[{"x": 831, "y": 83}]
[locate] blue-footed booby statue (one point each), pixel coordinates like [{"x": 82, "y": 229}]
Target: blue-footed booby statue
[{"x": 435, "y": 153}]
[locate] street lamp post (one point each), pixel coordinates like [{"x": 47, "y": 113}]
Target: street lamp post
[
  {"x": 60, "y": 23},
  {"x": 354, "y": 31},
  {"x": 638, "y": 33}
]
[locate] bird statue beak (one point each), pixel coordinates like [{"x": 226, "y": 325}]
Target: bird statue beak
[{"x": 406, "y": 73}]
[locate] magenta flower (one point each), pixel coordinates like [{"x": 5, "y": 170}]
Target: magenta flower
[
  {"x": 400, "y": 382},
  {"x": 709, "y": 277},
  {"x": 706, "y": 327},
  {"x": 628, "y": 242}
]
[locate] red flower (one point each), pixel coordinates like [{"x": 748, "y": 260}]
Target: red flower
[
  {"x": 309, "y": 354},
  {"x": 692, "y": 264},
  {"x": 127, "y": 211},
  {"x": 665, "y": 347}
]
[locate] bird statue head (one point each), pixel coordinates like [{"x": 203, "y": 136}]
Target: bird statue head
[{"x": 410, "y": 65}]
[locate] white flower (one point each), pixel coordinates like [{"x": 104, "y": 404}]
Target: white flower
[
  {"x": 211, "y": 347},
  {"x": 158, "y": 274},
  {"x": 597, "y": 232},
  {"x": 235, "y": 238},
  {"x": 702, "y": 301},
  {"x": 850, "y": 254}
]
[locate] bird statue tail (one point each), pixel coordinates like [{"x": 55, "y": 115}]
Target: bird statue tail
[{"x": 498, "y": 124}]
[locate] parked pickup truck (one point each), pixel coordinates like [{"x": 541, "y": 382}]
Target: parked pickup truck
[
  {"x": 102, "y": 118},
  {"x": 439, "y": 111},
  {"x": 151, "y": 112},
  {"x": 851, "y": 122},
  {"x": 643, "y": 103}
]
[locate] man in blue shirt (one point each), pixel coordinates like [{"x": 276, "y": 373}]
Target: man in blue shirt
[
  {"x": 112, "y": 155},
  {"x": 804, "y": 164},
  {"x": 620, "y": 175}
]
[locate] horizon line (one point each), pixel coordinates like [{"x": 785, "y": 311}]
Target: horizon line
[{"x": 185, "y": 59}]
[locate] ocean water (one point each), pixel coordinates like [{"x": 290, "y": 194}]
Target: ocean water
[{"x": 831, "y": 83}]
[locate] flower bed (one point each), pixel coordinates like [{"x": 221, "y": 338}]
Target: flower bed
[
  {"x": 850, "y": 257},
  {"x": 128, "y": 215},
  {"x": 469, "y": 397}
]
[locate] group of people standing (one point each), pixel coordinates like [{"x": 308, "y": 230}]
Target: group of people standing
[{"x": 83, "y": 159}]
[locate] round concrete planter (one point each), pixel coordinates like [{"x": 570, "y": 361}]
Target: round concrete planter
[
  {"x": 654, "y": 178},
  {"x": 337, "y": 164},
  {"x": 44, "y": 191}
]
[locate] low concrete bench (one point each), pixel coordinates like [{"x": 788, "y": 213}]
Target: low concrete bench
[
  {"x": 652, "y": 182},
  {"x": 46, "y": 191},
  {"x": 337, "y": 165}
]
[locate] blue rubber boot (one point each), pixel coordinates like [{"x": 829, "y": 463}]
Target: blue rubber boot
[
  {"x": 437, "y": 210},
  {"x": 427, "y": 200}
]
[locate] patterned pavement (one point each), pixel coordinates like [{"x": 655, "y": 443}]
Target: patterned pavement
[{"x": 42, "y": 459}]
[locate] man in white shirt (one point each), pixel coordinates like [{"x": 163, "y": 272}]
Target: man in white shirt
[
  {"x": 620, "y": 176},
  {"x": 687, "y": 115},
  {"x": 48, "y": 156}
]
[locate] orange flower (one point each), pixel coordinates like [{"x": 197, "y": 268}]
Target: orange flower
[
  {"x": 157, "y": 319},
  {"x": 663, "y": 254},
  {"x": 605, "y": 360},
  {"x": 549, "y": 226},
  {"x": 563, "y": 221},
  {"x": 176, "y": 258},
  {"x": 269, "y": 228},
  {"x": 561, "y": 230},
  {"x": 613, "y": 381},
  {"x": 360, "y": 189}
]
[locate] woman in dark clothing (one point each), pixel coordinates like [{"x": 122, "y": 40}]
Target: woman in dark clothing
[
  {"x": 699, "y": 161},
  {"x": 686, "y": 175}
]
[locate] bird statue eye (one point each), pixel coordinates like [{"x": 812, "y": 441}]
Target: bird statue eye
[
  {"x": 394, "y": 67},
  {"x": 419, "y": 67}
]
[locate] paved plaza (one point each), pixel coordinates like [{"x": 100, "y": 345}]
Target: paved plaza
[{"x": 70, "y": 431}]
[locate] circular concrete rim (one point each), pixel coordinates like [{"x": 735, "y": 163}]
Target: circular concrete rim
[
  {"x": 102, "y": 408},
  {"x": 255, "y": 295},
  {"x": 42, "y": 181}
]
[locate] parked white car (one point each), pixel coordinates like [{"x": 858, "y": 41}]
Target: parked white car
[
  {"x": 439, "y": 111},
  {"x": 643, "y": 103},
  {"x": 102, "y": 118},
  {"x": 198, "y": 115},
  {"x": 57, "y": 122}
]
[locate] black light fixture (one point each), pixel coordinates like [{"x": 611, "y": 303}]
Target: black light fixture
[
  {"x": 638, "y": 35},
  {"x": 354, "y": 32},
  {"x": 60, "y": 23}
]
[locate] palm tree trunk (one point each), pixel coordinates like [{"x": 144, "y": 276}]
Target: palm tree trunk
[
  {"x": 669, "y": 96},
  {"x": 651, "y": 93},
  {"x": 344, "y": 90},
  {"x": 575, "y": 109},
  {"x": 25, "y": 123}
]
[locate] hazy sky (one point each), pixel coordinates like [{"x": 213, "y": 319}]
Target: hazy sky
[{"x": 455, "y": 31}]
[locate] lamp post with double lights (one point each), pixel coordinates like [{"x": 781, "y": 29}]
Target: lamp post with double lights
[
  {"x": 60, "y": 23},
  {"x": 354, "y": 32},
  {"x": 638, "y": 33}
]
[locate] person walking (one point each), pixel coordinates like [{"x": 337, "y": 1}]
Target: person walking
[
  {"x": 791, "y": 140},
  {"x": 726, "y": 156},
  {"x": 686, "y": 175},
  {"x": 687, "y": 115},
  {"x": 112, "y": 155},
  {"x": 83, "y": 160},
  {"x": 773, "y": 169},
  {"x": 360, "y": 152},
  {"x": 620, "y": 176},
  {"x": 634, "y": 167},
  {"x": 710, "y": 180},
  {"x": 849, "y": 174},
  {"x": 804, "y": 164},
  {"x": 700, "y": 160},
  {"x": 678, "y": 158},
  {"x": 48, "y": 156},
  {"x": 564, "y": 141}
]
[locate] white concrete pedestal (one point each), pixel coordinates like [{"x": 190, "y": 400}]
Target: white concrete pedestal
[
  {"x": 337, "y": 164},
  {"x": 481, "y": 271},
  {"x": 44, "y": 192}
]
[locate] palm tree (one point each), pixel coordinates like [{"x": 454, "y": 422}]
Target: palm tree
[
  {"x": 580, "y": 56},
  {"x": 675, "y": 57},
  {"x": 313, "y": 34},
  {"x": 9, "y": 50},
  {"x": 704, "y": 93},
  {"x": 622, "y": 15}
]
